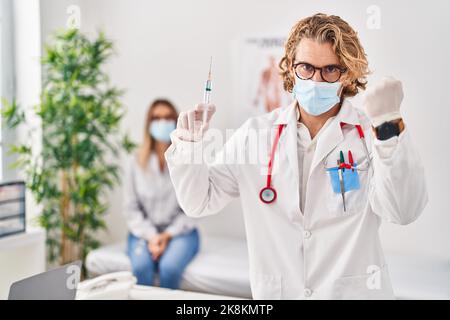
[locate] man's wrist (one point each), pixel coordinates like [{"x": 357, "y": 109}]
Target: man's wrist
[{"x": 389, "y": 129}]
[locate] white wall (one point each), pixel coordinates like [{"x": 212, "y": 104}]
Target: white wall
[
  {"x": 23, "y": 255},
  {"x": 27, "y": 66},
  {"x": 163, "y": 49}
]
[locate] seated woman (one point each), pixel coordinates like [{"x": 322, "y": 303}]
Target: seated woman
[{"x": 162, "y": 238}]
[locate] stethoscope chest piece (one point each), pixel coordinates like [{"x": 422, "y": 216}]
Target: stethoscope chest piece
[{"x": 268, "y": 195}]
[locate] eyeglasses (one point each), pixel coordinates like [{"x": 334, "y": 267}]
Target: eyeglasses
[{"x": 331, "y": 73}]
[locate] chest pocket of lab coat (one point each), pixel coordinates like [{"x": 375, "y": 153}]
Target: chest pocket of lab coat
[
  {"x": 355, "y": 200},
  {"x": 373, "y": 285}
]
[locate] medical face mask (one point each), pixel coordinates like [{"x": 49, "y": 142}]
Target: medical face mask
[
  {"x": 161, "y": 129},
  {"x": 314, "y": 97}
]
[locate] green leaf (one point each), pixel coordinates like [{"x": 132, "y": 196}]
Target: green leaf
[
  {"x": 128, "y": 144},
  {"x": 12, "y": 113},
  {"x": 80, "y": 113}
]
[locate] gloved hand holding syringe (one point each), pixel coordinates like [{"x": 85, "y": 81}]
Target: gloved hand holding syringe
[{"x": 193, "y": 123}]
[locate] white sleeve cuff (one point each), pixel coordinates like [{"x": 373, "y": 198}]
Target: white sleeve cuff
[
  {"x": 386, "y": 148},
  {"x": 378, "y": 120},
  {"x": 184, "y": 152}
]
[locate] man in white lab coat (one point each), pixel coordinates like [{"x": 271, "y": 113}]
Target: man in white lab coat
[{"x": 337, "y": 172}]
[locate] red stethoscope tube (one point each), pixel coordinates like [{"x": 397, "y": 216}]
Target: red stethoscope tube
[
  {"x": 363, "y": 139},
  {"x": 268, "y": 194}
]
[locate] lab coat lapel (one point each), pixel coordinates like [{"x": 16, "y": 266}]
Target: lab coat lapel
[
  {"x": 332, "y": 136},
  {"x": 291, "y": 145},
  {"x": 288, "y": 117},
  {"x": 327, "y": 141}
]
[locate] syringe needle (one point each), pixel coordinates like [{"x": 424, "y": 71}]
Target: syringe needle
[
  {"x": 210, "y": 68},
  {"x": 206, "y": 98}
]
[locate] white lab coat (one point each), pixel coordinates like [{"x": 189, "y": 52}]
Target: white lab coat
[{"x": 323, "y": 252}]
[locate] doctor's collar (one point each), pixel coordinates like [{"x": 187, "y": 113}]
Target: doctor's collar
[{"x": 347, "y": 114}]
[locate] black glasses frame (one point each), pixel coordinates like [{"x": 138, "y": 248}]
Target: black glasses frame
[{"x": 341, "y": 69}]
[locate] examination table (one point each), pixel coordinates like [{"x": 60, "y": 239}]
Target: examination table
[{"x": 221, "y": 267}]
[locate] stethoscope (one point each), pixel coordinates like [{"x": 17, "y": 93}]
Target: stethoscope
[
  {"x": 268, "y": 194},
  {"x": 359, "y": 167}
]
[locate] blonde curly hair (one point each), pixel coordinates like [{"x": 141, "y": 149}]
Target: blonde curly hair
[{"x": 332, "y": 29}]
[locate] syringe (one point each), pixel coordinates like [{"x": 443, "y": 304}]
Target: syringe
[{"x": 207, "y": 94}]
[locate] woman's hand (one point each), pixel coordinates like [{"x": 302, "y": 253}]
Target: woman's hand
[
  {"x": 190, "y": 125},
  {"x": 158, "y": 244}
]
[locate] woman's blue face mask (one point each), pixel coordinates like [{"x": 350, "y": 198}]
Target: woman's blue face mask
[
  {"x": 160, "y": 129},
  {"x": 316, "y": 98}
]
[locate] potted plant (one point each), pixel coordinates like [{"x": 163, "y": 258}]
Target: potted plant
[{"x": 79, "y": 114}]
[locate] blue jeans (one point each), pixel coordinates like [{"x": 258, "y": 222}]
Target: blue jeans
[{"x": 170, "y": 266}]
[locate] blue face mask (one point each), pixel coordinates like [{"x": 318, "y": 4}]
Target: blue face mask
[
  {"x": 161, "y": 129},
  {"x": 314, "y": 97}
]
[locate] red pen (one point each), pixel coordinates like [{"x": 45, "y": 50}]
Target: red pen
[{"x": 350, "y": 159}]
